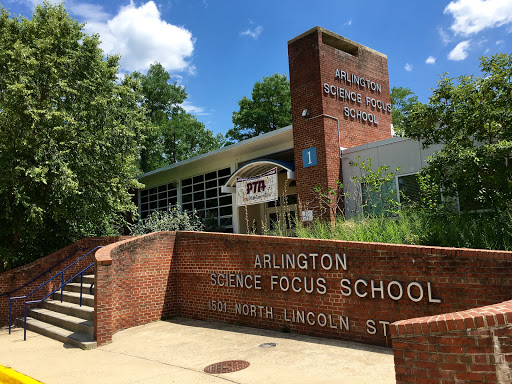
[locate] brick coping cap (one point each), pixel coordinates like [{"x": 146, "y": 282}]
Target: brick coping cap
[
  {"x": 103, "y": 258},
  {"x": 400, "y": 248},
  {"x": 489, "y": 316}
]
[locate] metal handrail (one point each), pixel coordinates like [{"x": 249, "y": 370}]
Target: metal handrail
[
  {"x": 45, "y": 272},
  {"x": 61, "y": 273},
  {"x": 81, "y": 273}
]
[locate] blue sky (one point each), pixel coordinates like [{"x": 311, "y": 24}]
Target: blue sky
[{"x": 219, "y": 49}]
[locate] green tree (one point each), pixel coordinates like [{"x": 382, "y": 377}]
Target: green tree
[
  {"x": 162, "y": 101},
  {"x": 472, "y": 117},
  {"x": 69, "y": 136},
  {"x": 171, "y": 134},
  {"x": 267, "y": 110},
  {"x": 403, "y": 100},
  {"x": 186, "y": 137}
]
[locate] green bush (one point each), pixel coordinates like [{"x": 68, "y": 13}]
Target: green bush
[{"x": 171, "y": 220}]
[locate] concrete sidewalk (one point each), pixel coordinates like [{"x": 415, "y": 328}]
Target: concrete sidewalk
[{"x": 177, "y": 351}]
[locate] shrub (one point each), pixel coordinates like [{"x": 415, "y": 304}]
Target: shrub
[{"x": 170, "y": 220}]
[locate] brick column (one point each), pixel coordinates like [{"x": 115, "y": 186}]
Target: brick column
[{"x": 339, "y": 82}]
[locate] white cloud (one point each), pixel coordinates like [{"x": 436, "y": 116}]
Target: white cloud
[
  {"x": 430, "y": 60},
  {"x": 253, "y": 32},
  {"x": 408, "y": 67},
  {"x": 500, "y": 42},
  {"x": 91, "y": 12},
  {"x": 141, "y": 37},
  {"x": 193, "y": 109},
  {"x": 348, "y": 23},
  {"x": 33, "y": 3},
  {"x": 460, "y": 51},
  {"x": 445, "y": 36},
  {"x": 473, "y": 16}
]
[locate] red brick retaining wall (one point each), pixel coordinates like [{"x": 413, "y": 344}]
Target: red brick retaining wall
[
  {"x": 17, "y": 277},
  {"x": 135, "y": 283},
  {"x": 473, "y": 346},
  {"x": 183, "y": 270}
]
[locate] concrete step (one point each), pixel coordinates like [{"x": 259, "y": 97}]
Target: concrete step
[
  {"x": 74, "y": 297},
  {"x": 71, "y": 323},
  {"x": 75, "y": 287},
  {"x": 80, "y": 340},
  {"x": 84, "y": 312},
  {"x": 89, "y": 279}
]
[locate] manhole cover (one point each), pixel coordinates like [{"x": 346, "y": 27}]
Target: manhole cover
[
  {"x": 227, "y": 366},
  {"x": 267, "y": 345}
]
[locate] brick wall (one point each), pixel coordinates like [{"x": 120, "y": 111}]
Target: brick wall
[
  {"x": 315, "y": 58},
  {"x": 473, "y": 346},
  {"x": 178, "y": 268},
  {"x": 135, "y": 283},
  {"x": 17, "y": 277}
]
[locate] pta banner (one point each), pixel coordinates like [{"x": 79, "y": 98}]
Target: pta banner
[{"x": 256, "y": 189}]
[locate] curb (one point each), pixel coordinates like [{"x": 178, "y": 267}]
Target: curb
[{"x": 10, "y": 376}]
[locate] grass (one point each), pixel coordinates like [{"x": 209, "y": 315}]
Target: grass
[{"x": 475, "y": 230}]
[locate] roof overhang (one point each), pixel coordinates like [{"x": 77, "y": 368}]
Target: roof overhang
[{"x": 257, "y": 167}]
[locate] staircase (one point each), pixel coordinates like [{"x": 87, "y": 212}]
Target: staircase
[{"x": 67, "y": 322}]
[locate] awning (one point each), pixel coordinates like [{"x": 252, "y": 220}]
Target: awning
[{"x": 257, "y": 167}]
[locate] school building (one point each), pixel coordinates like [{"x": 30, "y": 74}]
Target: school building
[{"x": 341, "y": 112}]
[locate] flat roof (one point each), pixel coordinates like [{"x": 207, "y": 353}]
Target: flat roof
[
  {"x": 248, "y": 145},
  {"x": 335, "y": 40},
  {"x": 374, "y": 144}
]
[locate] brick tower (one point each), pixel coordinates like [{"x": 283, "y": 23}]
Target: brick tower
[{"x": 340, "y": 97}]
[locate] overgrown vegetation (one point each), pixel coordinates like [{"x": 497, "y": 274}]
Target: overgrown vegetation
[
  {"x": 173, "y": 219},
  {"x": 433, "y": 220},
  {"x": 478, "y": 230}
]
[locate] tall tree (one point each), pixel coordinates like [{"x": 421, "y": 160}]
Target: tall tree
[
  {"x": 472, "y": 117},
  {"x": 403, "y": 100},
  {"x": 268, "y": 109},
  {"x": 186, "y": 137},
  {"x": 69, "y": 136},
  {"x": 162, "y": 101},
  {"x": 172, "y": 134}
]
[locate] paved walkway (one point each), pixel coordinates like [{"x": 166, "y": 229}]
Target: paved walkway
[{"x": 177, "y": 351}]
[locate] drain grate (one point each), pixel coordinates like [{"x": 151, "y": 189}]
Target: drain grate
[
  {"x": 227, "y": 366},
  {"x": 267, "y": 345}
]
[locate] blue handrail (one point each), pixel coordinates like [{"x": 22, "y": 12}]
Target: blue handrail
[
  {"x": 61, "y": 273},
  {"x": 81, "y": 273},
  {"x": 45, "y": 272}
]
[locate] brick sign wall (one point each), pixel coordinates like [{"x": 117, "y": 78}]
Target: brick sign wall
[
  {"x": 344, "y": 290},
  {"x": 420, "y": 300}
]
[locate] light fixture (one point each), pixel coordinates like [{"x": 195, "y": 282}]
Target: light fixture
[{"x": 305, "y": 113}]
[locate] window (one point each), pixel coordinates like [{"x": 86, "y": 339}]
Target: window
[
  {"x": 157, "y": 198},
  {"x": 408, "y": 188},
  {"x": 202, "y": 193},
  {"x": 377, "y": 200}
]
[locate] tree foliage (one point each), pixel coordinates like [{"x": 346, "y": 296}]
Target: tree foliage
[
  {"x": 403, "y": 100},
  {"x": 69, "y": 136},
  {"x": 472, "y": 117},
  {"x": 268, "y": 109},
  {"x": 171, "y": 134},
  {"x": 162, "y": 101},
  {"x": 186, "y": 137}
]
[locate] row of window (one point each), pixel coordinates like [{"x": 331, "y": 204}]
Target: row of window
[
  {"x": 201, "y": 193},
  {"x": 402, "y": 189},
  {"x": 406, "y": 190}
]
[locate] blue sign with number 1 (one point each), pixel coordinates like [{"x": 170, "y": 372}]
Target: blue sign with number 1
[{"x": 308, "y": 157}]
